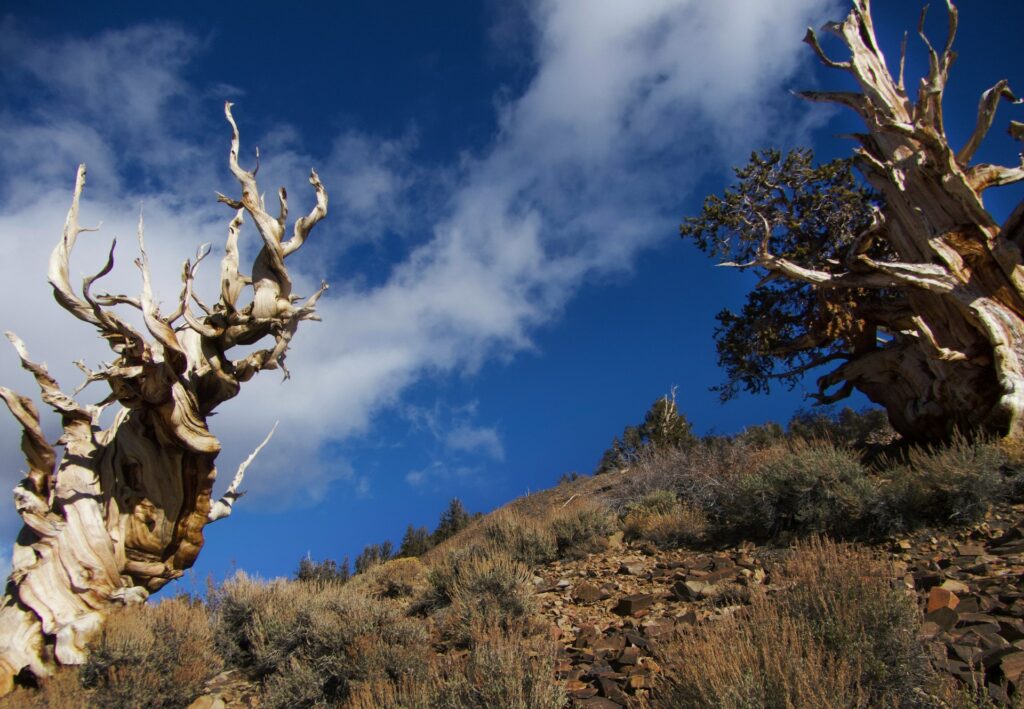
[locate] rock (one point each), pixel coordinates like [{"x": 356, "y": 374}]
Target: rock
[
  {"x": 208, "y": 701},
  {"x": 588, "y": 593},
  {"x": 610, "y": 646},
  {"x": 945, "y": 618},
  {"x": 632, "y": 567},
  {"x": 601, "y": 703},
  {"x": 612, "y": 691},
  {"x": 970, "y": 549},
  {"x": 629, "y": 605},
  {"x": 955, "y": 587},
  {"x": 940, "y": 597},
  {"x": 1012, "y": 666},
  {"x": 689, "y": 590},
  {"x": 629, "y": 656}
]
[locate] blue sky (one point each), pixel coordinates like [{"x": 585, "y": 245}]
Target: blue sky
[{"x": 506, "y": 182}]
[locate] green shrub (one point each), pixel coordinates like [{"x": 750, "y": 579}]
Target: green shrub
[
  {"x": 817, "y": 487},
  {"x": 656, "y": 501},
  {"x": 951, "y": 484},
  {"x": 522, "y": 538},
  {"x": 326, "y": 570},
  {"x": 840, "y": 635},
  {"x": 310, "y": 642},
  {"x": 152, "y": 656},
  {"x": 856, "y": 609},
  {"x": 679, "y": 523},
  {"x": 403, "y": 577},
  {"x": 498, "y": 671},
  {"x": 581, "y": 530},
  {"x": 480, "y": 588}
]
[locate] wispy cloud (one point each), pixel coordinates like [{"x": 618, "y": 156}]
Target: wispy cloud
[
  {"x": 483, "y": 440},
  {"x": 629, "y": 105}
]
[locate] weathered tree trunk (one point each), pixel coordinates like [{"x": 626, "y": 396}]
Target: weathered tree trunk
[
  {"x": 951, "y": 356},
  {"x": 123, "y": 510}
]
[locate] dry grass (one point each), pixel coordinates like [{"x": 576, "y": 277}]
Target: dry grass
[
  {"x": 661, "y": 518},
  {"x": 151, "y": 656},
  {"x": 581, "y": 529},
  {"x": 499, "y": 671},
  {"x": 405, "y": 577},
  {"x": 524, "y": 539},
  {"x": 310, "y": 642},
  {"x": 61, "y": 691},
  {"x": 816, "y": 487},
  {"x": 477, "y": 589},
  {"x": 841, "y": 635},
  {"x": 952, "y": 484}
]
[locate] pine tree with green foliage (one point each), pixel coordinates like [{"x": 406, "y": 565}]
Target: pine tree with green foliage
[
  {"x": 453, "y": 520},
  {"x": 663, "y": 428},
  {"x": 372, "y": 555},
  {"x": 416, "y": 542}
]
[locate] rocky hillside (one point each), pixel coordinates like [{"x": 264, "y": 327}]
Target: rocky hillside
[{"x": 701, "y": 577}]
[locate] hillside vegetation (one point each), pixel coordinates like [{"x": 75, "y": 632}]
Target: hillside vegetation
[{"x": 488, "y": 614}]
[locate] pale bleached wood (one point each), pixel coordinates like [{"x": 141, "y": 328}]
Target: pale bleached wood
[
  {"x": 122, "y": 512},
  {"x": 954, "y": 356}
]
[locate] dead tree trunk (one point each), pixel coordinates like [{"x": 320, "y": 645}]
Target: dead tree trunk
[
  {"x": 953, "y": 354},
  {"x": 122, "y": 512}
]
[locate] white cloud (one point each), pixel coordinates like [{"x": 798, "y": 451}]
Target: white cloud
[
  {"x": 484, "y": 440},
  {"x": 630, "y": 104}
]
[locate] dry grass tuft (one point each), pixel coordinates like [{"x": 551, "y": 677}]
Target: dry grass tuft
[
  {"x": 404, "y": 577},
  {"x": 63, "y": 690},
  {"x": 663, "y": 519},
  {"x": 499, "y": 671},
  {"x": 841, "y": 635},
  {"x": 524, "y": 539},
  {"x": 151, "y": 656},
  {"x": 310, "y": 642}
]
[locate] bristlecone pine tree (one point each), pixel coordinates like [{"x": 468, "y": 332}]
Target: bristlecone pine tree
[
  {"x": 122, "y": 512},
  {"x": 916, "y": 296}
]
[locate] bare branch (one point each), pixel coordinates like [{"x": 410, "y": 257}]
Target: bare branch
[
  {"x": 231, "y": 281},
  {"x": 48, "y": 387},
  {"x": 306, "y": 223},
  {"x": 811, "y": 38},
  {"x": 986, "y": 114},
  {"x": 981, "y": 177},
  {"x": 39, "y": 454},
  {"x": 225, "y": 505},
  {"x": 160, "y": 330}
]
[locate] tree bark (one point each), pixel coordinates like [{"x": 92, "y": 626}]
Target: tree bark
[
  {"x": 959, "y": 362},
  {"x": 122, "y": 512}
]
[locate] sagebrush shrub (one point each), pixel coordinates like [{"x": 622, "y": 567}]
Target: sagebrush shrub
[
  {"x": 582, "y": 529},
  {"x": 497, "y": 671},
  {"x": 63, "y": 690},
  {"x": 480, "y": 588},
  {"x": 155, "y": 656},
  {"x": 842, "y": 634},
  {"x": 680, "y": 524},
  {"x": 817, "y": 487},
  {"x": 522, "y": 538},
  {"x": 949, "y": 484},
  {"x": 310, "y": 641},
  {"x": 404, "y": 577}
]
